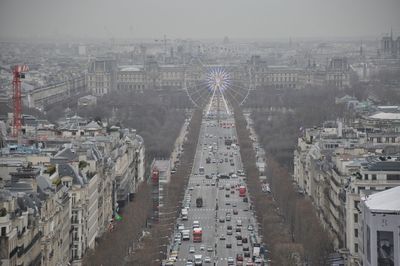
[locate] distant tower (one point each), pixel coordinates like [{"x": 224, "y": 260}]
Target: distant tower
[{"x": 361, "y": 49}]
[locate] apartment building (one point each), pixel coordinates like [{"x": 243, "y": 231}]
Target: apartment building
[
  {"x": 377, "y": 174},
  {"x": 41, "y": 97},
  {"x": 75, "y": 183},
  {"x": 336, "y": 165}
]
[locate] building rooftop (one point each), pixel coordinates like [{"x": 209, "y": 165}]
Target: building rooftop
[
  {"x": 386, "y": 116},
  {"x": 161, "y": 165},
  {"x": 385, "y": 201},
  {"x": 384, "y": 166}
]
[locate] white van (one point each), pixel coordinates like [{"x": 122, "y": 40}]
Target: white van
[{"x": 198, "y": 260}]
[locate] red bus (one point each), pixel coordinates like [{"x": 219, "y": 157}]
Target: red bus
[
  {"x": 242, "y": 191},
  {"x": 197, "y": 234}
]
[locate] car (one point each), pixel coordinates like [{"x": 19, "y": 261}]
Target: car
[
  {"x": 250, "y": 227},
  {"x": 207, "y": 184},
  {"x": 245, "y": 199},
  {"x": 210, "y": 249},
  {"x": 238, "y": 229},
  {"x": 239, "y": 257},
  {"x": 228, "y": 218},
  {"x": 246, "y": 209},
  {"x": 197, "y": 185},
  {"x": 202, "y": 247},
  {"x": 244, "y": 240},
  {"x": 221, "y": 220},
  {"x": 191, "y": 188},
  {"x": 238, "y": 222},
  {"x": 192, "y": 249},
  {"x": 228, "y": 245},
  {"x": 229, "y": 232},
  {"x": 222, "y": 237},
  {"x": 234, "y": 205},
  {"x": 189, "y": 263},
  {"x": 229, "y": 227},
  {"x": 207, "y": 259},
  {"x": 235, "y": 212},
  {"x": 239, "y": 243},
  {"x": 232, "y": 192},
  {"x": 169, "y": 263},
  {"x": 213, "y": 184},
  {"x": 246, "y": 248},
  {"x": 227, "y": 203},
  {"x": 238, "y": 237},
  {"x": 227, "y": 195},
  {"x": 246, "y": 254},
  {"x": 230, "y": 261}
]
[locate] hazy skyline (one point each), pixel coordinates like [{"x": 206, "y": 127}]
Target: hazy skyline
[{"x": 198, "y": 19}]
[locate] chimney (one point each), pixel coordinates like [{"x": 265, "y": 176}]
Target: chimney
[{"x": 340, "y": 128}]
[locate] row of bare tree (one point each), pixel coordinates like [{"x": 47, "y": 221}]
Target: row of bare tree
[
  {"x": 154, "y": 248},
  {"x": 289, "y": 226},
  {"x": 159, "y": 125},
  {"x": 113, "y": 247}
]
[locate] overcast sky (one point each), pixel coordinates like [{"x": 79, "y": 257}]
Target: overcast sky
[{"x": 198, "y": 18}]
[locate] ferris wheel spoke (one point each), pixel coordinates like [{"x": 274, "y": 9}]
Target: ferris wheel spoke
[
  {"x": 237, "y": 90},
  {"x": 211, "y": 100},
  {"x": 225, "y": 103},
  {"x": 197, "y": 89},
  {"x": 203, "y": 94},
  {"x": 232, "y": 96}
]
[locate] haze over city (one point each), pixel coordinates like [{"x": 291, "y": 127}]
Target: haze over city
[
  {"x": 259, "y": 19},
  {"x": 199, "y": 133}
]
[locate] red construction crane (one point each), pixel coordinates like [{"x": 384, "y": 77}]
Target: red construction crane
[{"x": 18, "y": 74}]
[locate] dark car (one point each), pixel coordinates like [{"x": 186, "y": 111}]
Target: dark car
[
  {"x": 247, "y": 254},
  {"x": 228, "y": 245},
  {"x": 239, "y": 257},
  {"x": 244, "y": 239}
]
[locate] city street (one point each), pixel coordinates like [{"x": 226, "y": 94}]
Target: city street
[{"x": 222, "y": 207}]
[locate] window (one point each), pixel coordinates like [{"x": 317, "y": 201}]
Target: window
[
  {"x": 393, "y": 177},
  {"x": 374, "y": 177},
  {"x": 356, "y": 217},
  {"x": 3, "y": 231},
  {"x": 385, "y": 245},
  {"x": 365, "y": 176},
  {"x": 355, "y": 248},
  {"x": 356, "y": 232}
]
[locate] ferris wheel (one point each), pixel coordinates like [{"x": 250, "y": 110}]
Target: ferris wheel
[{"x": 232, "y": 83}]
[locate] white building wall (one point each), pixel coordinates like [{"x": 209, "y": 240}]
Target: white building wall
[{"x": 373, "y": 224}]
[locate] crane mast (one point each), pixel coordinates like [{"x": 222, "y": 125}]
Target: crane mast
[{"x": 18, "y": 74}]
